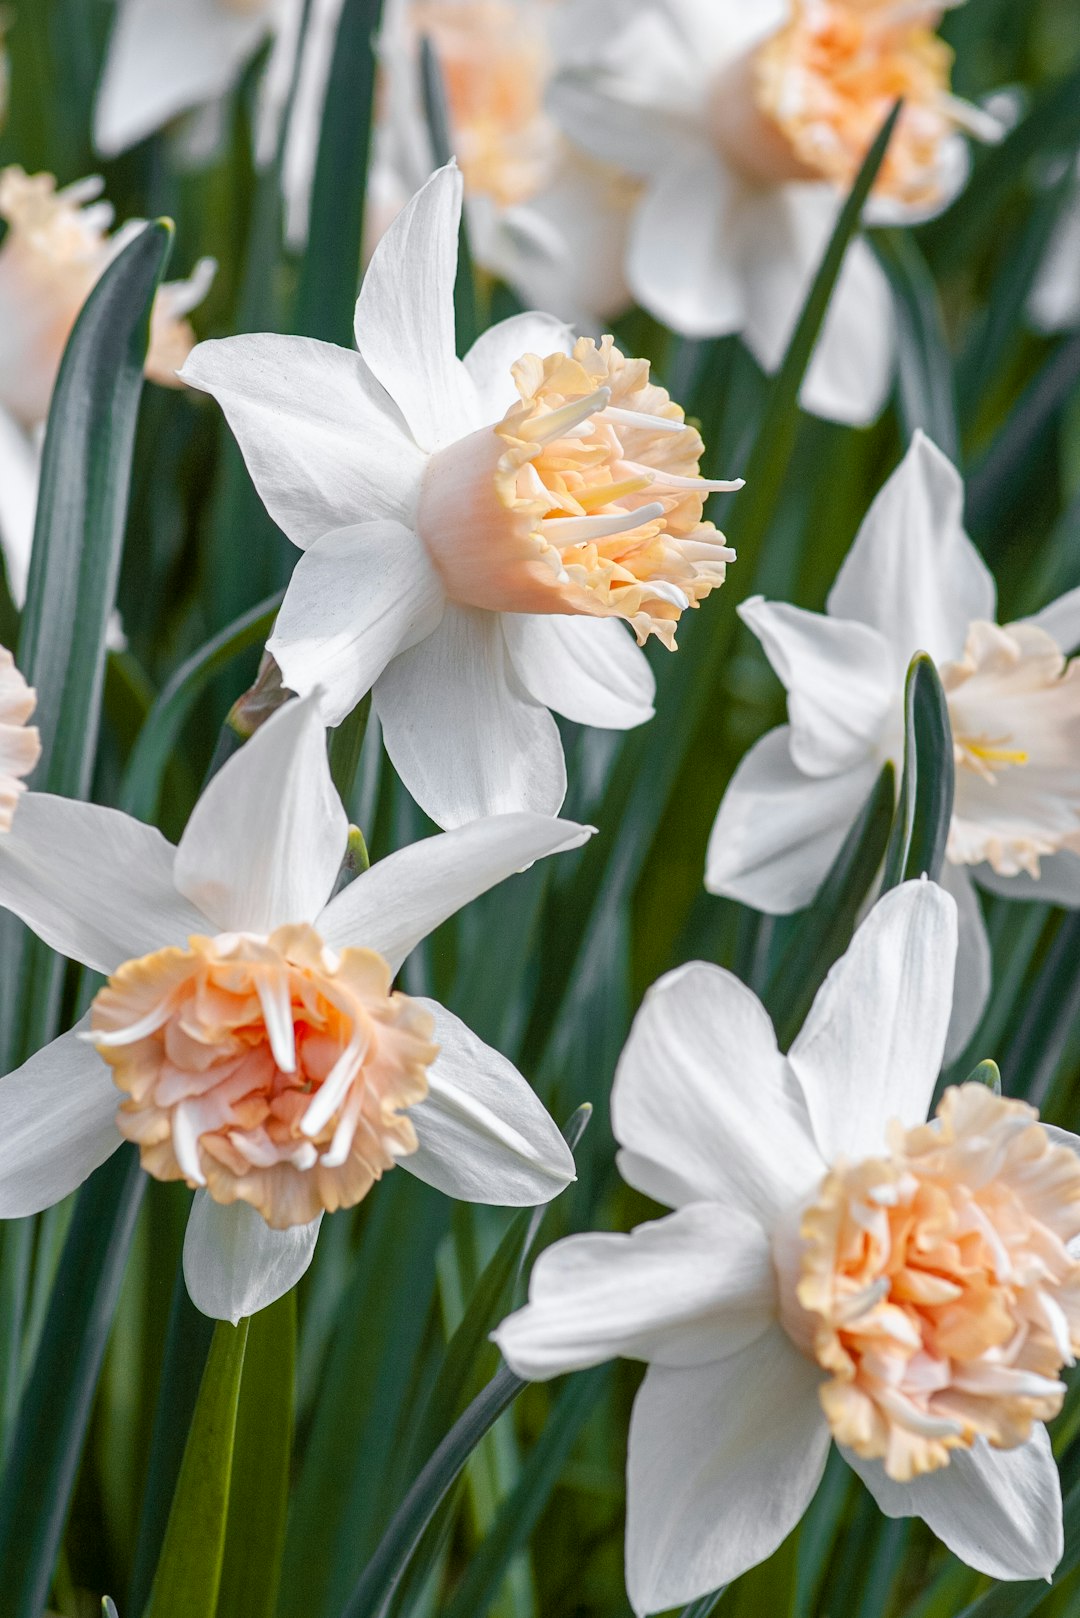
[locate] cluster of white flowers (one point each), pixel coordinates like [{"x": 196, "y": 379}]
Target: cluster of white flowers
[{"x": 488, "y": 541}]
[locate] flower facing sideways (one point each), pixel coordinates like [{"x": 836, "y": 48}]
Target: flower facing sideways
[
  {"x": 249, "y": 1039},
  {"x": 836, "y": 1269},
  {"x": 473, "y": 531},
  {"x": 20, "y": 746},
  {"x": 913, "y": 582}
]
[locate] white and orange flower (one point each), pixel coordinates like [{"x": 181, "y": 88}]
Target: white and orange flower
[
  {"x": 20, "y": 745},
  {"x": 744, "y": 125},
  {"x": 477, "y": 534},
  {"x": 249, "y": 1039},
  {"x": 836, "y": 1270},
  {"x": 56, "y": 247},
  {"x": 913, "y": 582}
]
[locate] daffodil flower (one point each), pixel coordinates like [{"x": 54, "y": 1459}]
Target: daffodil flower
[
  {"x": 248, "y": 1038},
  {"x": 473, "y": 531},
  {"x": 20, "y": 744},
  {"x": 56, "y": 247},
  {"x": 836, "y": 1270},
  {"x": 913, "y": 582},
  {"x": 744, "y": 125}
]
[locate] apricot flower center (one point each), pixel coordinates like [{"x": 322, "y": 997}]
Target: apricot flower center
[
  {"x": 585, "y": 498},
  {"x": 936, "y": 1286},
  {"x": 274, "y": 1070}
]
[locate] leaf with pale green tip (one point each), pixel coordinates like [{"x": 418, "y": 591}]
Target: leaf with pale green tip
[
  {"x": 921, "y": 829},
  {"x": 188, "y": 1575},
  {"x": 986, "y": 1073}
]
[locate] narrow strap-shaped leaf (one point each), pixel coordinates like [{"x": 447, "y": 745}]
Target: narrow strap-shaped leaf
[
  {"x": 705, "y": 1606},
  {"x": 921, "y": 829},
  {"x": 1016, "y": 450},
  {"x": 45, "y": 1447},
  {"x": 189, "y": 1572},
  {"x": 927, "y": 392},
  {"x": 827, "y": 927}
]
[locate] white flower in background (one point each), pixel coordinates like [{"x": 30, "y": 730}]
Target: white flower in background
[
  {"x": 913, "y": 582},
  {"x": 836, "y": 1269},
  {"x": 542, "y": 215},
  {"x": 746, "y": 124},
  {"x": 248, "y": 1038},
  {"x": 20, "y": 745},
  {"x": 473, "y": 531},
  {"x": 1054, "y": 304},
  {"x": 56, "y": 247}
]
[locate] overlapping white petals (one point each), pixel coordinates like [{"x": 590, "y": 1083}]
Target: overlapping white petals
[
  {"x": 234, "y": 1264},
  {"x": 590, "y": 670}
]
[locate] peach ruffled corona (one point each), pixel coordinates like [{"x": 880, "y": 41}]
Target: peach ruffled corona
[
  {"x": 20, "y": 745},
  {"x": 271, "y": 1070},
  {"x": 586, "y": 498},
  {"x": 935, "y": 1285}
]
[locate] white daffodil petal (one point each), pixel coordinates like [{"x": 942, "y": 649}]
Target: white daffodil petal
[
  {"x": 851, "y": 370},
  {"x": 699, "y": 290},
  {"x": 461, "y": 730},
  {"x": 686, "y": 1290},
  {"x": 723, "y": 1461},
  {"x": 404, "y": 897},
  {"x": 163, "y": 60},
  {"x": 997, "y": 1510},
  {"x": 357, "y": 597},
  {"x": 912, "y": 572},
  {"x": 1054, "y": 304},
  {"x": 588, "y": 669},
  {"x": 265, "y": 842},
  {"x": 703, "y": 1104},
  {"x": 95, "y": 884},
  {"x": 405, "y": 316},
  {"x": 484, "y": 1135},
  {"x": 974, "y": 967},
  {"x": 57, "y": 1124},
  {"x": 777, "y": 831},
  {"x": 325, "y": 448},
  {"x": 235, "y": 1264},
  {"x": 1061, "y": 619},
  {"x": 491, "y": 358},
  {"x": 871, "y": 1048},
  {"x": 20, "y": 464},
  {"x": 1058, "y": 882},
  {"x": 838, "y": 677}
]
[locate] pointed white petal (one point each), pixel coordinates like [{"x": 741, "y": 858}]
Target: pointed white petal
[
  {"x": 698, "y": 291},
  {"x": 57, "y": 1124},
  {"x": 588, "y": 669},
  {"x": 405, "y": 316},
  {"x": 92, "y": 882},
  {"x": 1061, "y": 619},
  {"x": 1054, "y": 304},
  {"x": 20, "y": 464},
  {"x": 842, "y": 691},
  {"x": 462, "y": 731},
  {"x": 724, "y": 1459},
  {"x": 324, "y": 447},
  {"x": 402, "y": 898},
  {"x": 357, "y": 597},
  {"x": 871, "y": 1048},
  {"x": 850, "y": 374},
  {"x": 484, "y": 1135},
  {"x": 266, "y": 840},
  {"x": 974, "y": 968},
  {"x": 1058, "y": 882},
  {"x": 777, "y": 831},
  {"x": 703, "y": 1104},
  {"x": 234, "y": 1264},
  {"x": 912, "y": 573},
  {"x": 686, "y": 1290},
  {"x": 491, "y": 357},
  {"x": 997, "y": 1510}
]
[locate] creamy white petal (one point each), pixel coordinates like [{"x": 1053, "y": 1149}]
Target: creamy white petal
[
  {"x": 912, "y": 572},
  {"x": 697, "y": 289},
  {"x": 838, "y": 679},
  {"x": 1061, "y": 619},
  {"x": 20, "y": 464},
  {"x": 703, "y": 1104},
  {"x": 997, "y": 1510},
  {"x": 404, "y": 897},
  {"x": 484, "y": 1134},
  {"x": 405, "y": 316},
  {"x": 57, "y": 1124},
  {"x": 723, "y": 1461},
  {"x": 234, "y": 1264},
  {"x": 357, "y": 597},
  {"x": 686, "y": 1290},
  {"x": 324, "y": 446},
  {"x": 1058, "y": 882},
  {"x": 463, "y": 733},
  {"x": 590, "y": 670},
  {"x": 851, "y": 370},
  {"x": 778, "y": 831},
  {"x": 163, "y": 59},
  {"x": 974, "y": 967},
  {"x": 871, "y": 1047},
  {"x": 93, "y": 883},
  {"x": 496, "y": 350},
  {"x": 265, "y": 842},
  {"x": 1054, "y": 304}
]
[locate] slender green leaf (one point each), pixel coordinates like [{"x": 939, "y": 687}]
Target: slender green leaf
[
  {"x": 189, "y": 1571},
  {"x": 437, "y": 113},
  {"x": 927, "y": 394},
  {"x": 920, "y": 832},
  {"x": 705, "y": 1606},
  {"x": 1015, "y": 453}
]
